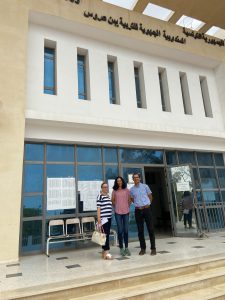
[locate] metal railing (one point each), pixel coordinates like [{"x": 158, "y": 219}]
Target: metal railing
[{"x": 210, "y": 216}]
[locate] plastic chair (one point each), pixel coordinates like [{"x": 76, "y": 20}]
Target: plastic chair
[
  {"x": 76, "y": 222},
  {"x": 91, "y": 222},
  {"x": 53, "y": 223}
]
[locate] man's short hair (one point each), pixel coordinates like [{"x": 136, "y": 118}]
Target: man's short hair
[{"x": 137, "y": 174}]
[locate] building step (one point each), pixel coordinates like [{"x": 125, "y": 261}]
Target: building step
[{"x": 159, "y": 282}]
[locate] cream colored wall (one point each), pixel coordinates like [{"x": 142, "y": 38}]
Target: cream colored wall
[
  {"x": 13, "y": 41},
  {"x": 13, "y": 37}
]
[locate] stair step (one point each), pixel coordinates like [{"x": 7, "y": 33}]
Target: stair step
[
  {"x": 163, "y": 289},
  {"x": 165, "y": 280},
  {"x": 216, "y": 292}
]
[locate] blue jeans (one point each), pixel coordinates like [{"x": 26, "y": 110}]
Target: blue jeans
[{"x": 122, "y": 222}]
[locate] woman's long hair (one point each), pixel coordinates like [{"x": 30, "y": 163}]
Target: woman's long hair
[{"x": 116, "y": 186}]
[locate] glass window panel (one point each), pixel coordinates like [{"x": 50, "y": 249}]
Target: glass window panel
[
  {"x": 34, "y": 152},
  {"x": 49, "y": 71},
  {"x": 111, "y": 172},
  {"x": 112, "y": 93},
  {"x": 50, "y": 92},
  {"x": 33, "y": 178},
  {"x": 221, "y": 175},
  {"x": 32, "y": 206},
  {"x": 31, "y": 235},
  {"x": 208, "y": 178},
  {"x": 219, "y": 159},
  {"x": 186, "y": 157},
  {"x": 89, "y": 154},
  {"x": 223, "y": 196},
  {"x": 204, "y": 159},
  {"x": 81, "y": 77},
  {"x": 171, "y": 158},
  {"x": 196, "y": 178},
  {"x": 110, "y": 155},
  {"x": 86, "y": 173},
  {"x": 141, "y": 156},
  {"x": 137, "y": 86},
  {"x": 211, "y": 196},
  {"x": 57, "y": 171},
  {"x": 60, "y": 153}
]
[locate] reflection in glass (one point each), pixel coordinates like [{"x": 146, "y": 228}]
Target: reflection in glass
[
  {"x": 110, "y": 155},
  {"x": 219, "y": 159},
  {"x": 32, "y": 206},
  {"x": 31, "y": 235},
  {"x": 81, "y": 74},
  {"x": 88, "y": 154},
  {"x": 221, "y": 175},
  {"x": 204, "y": 159},
  {"x": 34, "y": 152},
  {"x": 208, "y": 178},
  {"x": 60, "y": 153},
  {"x": 111, "y": 172},
  {"x": 33, "y": 178},
  {"x": 140, "y": 156},
  {"x": 90, "y": 173},
  {"x": 196, "y": 178},
  {"x": 215, "y": 217},
  {"x": 171, "y": 158},
  {"x": 211, "y": 196},
  {"x": 186, "y": 157},
  {"x": 223, "y": 196}
]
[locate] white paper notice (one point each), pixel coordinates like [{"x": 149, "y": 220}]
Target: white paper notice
[
  {"x": 89, "y": 191},
  {"x": 110, "y": 185},
  {"x": 61, "y": 193},
  {"x": 183, "y": 186}
]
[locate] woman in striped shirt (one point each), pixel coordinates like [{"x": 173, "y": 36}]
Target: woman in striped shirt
[{"x": 104, "y": 213}]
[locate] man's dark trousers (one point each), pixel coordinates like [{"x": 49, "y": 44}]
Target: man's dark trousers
[{"x": 141, "y": 216}]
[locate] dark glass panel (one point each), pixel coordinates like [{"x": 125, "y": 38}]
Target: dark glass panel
[
  {"x": 34, "y": 152},
  {"x": 171, "y": 158},
  {"x": 33, "y": 178},
  {"x": 111, "y": 172},
  {"x": 141, "y": 156},
  {"x": 89, "y": 154},
  {"x": 186, "y": 157},
  {"x": 221, "y": 175},
  {"x": 32, "y": 206},
  {"x": 204, "y": 159},
  {"x": 110, "y": 155},
  {"x": 31, "y": 235},
  {"x": 208, "y": 178},
  {"x": 219, "y": 159},
  {"x": 87, "y": 173},
  {"x": 62, "y": 153}
]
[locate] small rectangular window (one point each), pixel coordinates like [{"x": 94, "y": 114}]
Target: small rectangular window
[
  {"x": 139, "y": 85},
  {"x": 113, "y": 81},
  {"x": 205, "y": 97},
  {"x": 164, "y": 89},
  {"x": 50, "y": 68},
  {"x": 83, "y": 74},
  {"x": 185, "y": 93}
]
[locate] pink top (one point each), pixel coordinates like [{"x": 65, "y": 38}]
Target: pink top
[{"x": 121, "y": 201}]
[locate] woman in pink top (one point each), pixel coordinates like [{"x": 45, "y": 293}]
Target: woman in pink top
[{"x": 121, "y": 201}]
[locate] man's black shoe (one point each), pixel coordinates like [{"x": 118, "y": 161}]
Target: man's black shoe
[
  {"x": 142, "y": 252},
  {"x": 153, "y": 252}
]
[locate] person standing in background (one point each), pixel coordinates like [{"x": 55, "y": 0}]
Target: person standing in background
[{"x": 121, "y": 201}]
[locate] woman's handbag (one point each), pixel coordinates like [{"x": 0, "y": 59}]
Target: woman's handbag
[{"x": 98, "y": 237}]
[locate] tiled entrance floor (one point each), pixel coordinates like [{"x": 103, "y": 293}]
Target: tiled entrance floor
[{"x": 87, "y": 263}]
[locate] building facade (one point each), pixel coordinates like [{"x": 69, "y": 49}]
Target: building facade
[{"x": 90, "y": 91}]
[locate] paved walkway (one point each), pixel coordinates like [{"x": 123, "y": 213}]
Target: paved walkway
[{"x": 79, "y": 264}]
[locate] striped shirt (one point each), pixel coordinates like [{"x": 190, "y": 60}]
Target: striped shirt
[{"x": 105, "y": 204}]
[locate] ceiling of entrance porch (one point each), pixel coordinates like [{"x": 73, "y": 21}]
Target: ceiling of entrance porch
[{"x": 206, "y": 16}]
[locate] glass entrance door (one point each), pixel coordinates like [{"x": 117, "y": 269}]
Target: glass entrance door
[{"x": 181, "y": 190}]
